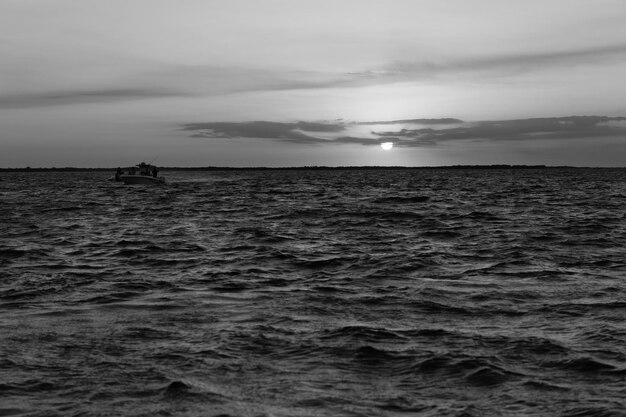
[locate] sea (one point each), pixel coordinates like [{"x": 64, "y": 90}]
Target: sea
[{"x": 314, "y": 292}]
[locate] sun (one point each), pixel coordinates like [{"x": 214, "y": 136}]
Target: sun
[{"x": 386, "y": 145}]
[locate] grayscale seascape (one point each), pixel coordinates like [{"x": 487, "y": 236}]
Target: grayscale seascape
[{"x": 387, "y": 292}]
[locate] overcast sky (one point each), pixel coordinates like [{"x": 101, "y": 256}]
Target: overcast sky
[{"x": 112, "y": 82}]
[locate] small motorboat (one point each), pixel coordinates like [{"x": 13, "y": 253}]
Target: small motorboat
[{"x": 139, "y": 174}]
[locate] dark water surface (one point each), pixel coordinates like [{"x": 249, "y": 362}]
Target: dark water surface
[{"x": 314, "y": 293}]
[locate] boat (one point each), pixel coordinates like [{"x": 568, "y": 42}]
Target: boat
[{"x": 139, "y": 174}]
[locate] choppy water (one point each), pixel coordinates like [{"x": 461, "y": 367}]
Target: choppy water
[{"x": 314, "y": 293}]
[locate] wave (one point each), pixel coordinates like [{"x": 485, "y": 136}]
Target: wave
[
  {"x": 585, "y": 365},
  {"x": 402, "y": 199}
]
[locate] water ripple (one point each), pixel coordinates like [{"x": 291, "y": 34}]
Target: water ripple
[{"x": 298, "y": 293}]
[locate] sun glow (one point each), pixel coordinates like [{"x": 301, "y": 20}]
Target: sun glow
[{"x": 386, "y": 145}]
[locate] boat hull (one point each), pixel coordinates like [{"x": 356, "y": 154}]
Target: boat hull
[{"x": 130, "y": 179}]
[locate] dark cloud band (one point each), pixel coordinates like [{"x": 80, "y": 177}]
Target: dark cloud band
[
  {"x": 61, "y": 98},
  {"x": 430, "y": 132}
]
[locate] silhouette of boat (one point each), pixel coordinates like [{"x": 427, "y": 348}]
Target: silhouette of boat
[{"x": 139, "y": 174}]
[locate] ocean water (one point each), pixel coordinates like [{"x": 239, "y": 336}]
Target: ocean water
[{"x": 314, "y": 293}]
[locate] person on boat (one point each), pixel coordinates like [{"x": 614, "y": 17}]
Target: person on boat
[
  {"x": 155, "y": 171},
  {"x": 118, "y": 173}
]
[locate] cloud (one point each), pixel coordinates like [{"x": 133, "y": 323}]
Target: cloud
[
  {"x": 444, "y": 121},
  {"x": 424, "y": 132},
  {"x": 502, "y": 64},
  {"x": 168, "y": 81},
  {"x": 510, "y": 130},
  {"x": 60, "y": 98},
  {"x": 286, "y": 132},
  {"x": 207, "y": 80},
  {"x": 204, "y": 80}
]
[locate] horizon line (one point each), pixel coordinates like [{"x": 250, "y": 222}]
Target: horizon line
[{"x": 319, "y": 167}]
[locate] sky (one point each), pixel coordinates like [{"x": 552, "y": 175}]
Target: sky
[{"x": 107, "y": 83}]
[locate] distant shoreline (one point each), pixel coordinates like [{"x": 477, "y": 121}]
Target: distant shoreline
[{"x": 319, "y": 168}]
